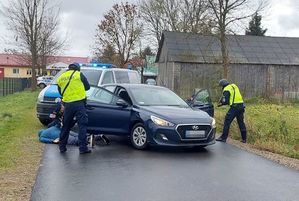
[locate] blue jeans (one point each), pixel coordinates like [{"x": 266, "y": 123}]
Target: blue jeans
[{"x": 49, "y": 134}]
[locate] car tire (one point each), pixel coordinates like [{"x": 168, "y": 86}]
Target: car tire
[
  {"x": 42, "y": 85},
  {"x": 139, "y": 136}
]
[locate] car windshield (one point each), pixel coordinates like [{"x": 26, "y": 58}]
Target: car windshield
[{"x": 157, "y": 97}]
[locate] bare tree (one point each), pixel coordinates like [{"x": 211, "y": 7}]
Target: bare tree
[
  {"x": 228, "y": 12},
  {"x": 120, "y": 29},
  {"x": 175, "y": 15},
  {"x": 34, "y": 24}
]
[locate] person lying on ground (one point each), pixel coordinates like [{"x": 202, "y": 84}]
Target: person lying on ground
[{"x": 51, "y": 136}]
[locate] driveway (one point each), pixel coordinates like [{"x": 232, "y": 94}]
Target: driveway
[{"x": 118, "y": 172}]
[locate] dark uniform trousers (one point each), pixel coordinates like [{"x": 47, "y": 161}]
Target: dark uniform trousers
[
  {"x": 74, "y": 109},
  {"x": 237, "y": 111}
]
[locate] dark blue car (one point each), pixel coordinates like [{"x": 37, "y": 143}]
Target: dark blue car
[{"x": 150, "y": 115}]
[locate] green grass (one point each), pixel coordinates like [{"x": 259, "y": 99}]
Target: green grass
[
  {"x": 18, "y": 129},
  {"x": 271, "y": 127}
]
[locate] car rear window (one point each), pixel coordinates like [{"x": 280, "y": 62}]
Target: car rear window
[
  {"x": 127, "y": 77},
  {"x": 92, "y": 75}
]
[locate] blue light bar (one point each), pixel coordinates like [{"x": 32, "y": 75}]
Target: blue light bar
[{"x": 97, "y": 65}]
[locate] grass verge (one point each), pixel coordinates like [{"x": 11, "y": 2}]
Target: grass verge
[
  {"x": 271, "y": 127},
  {"x": 20, "y": 151}
]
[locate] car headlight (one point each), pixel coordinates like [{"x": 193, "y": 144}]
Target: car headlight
[
  {"x": 213, "y": 123},
  {"x": 41, "y": 95},
  {"x": 161, "y": 122}
]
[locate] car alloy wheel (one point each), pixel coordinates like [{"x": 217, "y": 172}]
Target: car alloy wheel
[{"x": 139, "y": 136}]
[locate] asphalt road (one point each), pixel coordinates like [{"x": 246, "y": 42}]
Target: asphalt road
[{"x": 117, "y": 172}]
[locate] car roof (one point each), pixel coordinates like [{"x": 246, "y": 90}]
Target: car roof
[
  {"x": 129, "y": 86},
  {"x": 106, "y": 69}
]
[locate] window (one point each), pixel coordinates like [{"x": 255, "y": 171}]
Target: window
[
  {"x": 122, "y": 77},
  {"x": 29, "y": 72},
  {"x": 15, "y": 71},
  {"x": 92, "y": 75},
  {"x": 134, "y": 77},
  {"x": 101, "y": 95},
  {"x": 110, "y": 88},
  {"x": 125, "y": 96},
  {"x": 108, "y": 78},
  {"x": 203, "y": 97}
]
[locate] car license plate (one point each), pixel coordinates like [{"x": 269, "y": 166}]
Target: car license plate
[{"x": 195, "y": 134}]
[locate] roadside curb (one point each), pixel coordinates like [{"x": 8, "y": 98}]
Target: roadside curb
[{"x": 283, "y": 160}]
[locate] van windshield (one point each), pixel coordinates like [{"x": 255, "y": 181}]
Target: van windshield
[
  {"x": 57, "y": 75},
  {"x": 92, "y": 75}
]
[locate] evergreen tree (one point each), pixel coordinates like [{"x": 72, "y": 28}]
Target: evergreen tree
[
  {"x": 255, "y": 28},
  {"x": 146, "y": 51}
]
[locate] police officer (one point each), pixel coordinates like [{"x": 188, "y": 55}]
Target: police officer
[
  {"x": 232, "y": 97},
  {"x": 72, "y": 86}
]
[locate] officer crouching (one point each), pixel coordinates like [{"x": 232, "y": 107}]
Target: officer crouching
[{"x": 72, "y": 86}]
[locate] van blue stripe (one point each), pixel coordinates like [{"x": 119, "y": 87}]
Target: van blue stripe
[{"x": 52, "y": 91}]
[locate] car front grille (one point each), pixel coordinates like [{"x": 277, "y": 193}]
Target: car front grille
[
  {"x": 193, "y": 131},
  {"x": 49, "y": 99}
]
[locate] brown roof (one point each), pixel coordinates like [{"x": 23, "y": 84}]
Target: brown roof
[{"x": 20, "y": 60}]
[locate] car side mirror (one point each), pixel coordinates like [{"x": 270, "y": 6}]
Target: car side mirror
[{"x": 122, "y": 103}]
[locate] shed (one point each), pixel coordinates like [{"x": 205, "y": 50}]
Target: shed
[{"x": 260, "y": 65}]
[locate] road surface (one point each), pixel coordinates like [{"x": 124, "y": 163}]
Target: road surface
[{"x": 118, "y": 172}]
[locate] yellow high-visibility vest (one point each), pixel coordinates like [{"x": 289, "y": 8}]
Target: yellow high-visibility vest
[
  {"x": 75, "y": 90},
  {"x": 235, "y": 95}
]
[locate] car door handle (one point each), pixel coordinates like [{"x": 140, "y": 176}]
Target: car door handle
[{"x": 90, "y": 108}]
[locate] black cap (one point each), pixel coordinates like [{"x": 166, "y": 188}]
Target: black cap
[
  {"x": 223, "y": 83},
  {"x": 74, "y": 66}
]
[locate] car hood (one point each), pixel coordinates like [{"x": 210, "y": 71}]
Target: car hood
[{"x": 179, "y": 115}]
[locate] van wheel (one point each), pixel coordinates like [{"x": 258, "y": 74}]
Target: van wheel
[
  {"x": 139, "y": 136},
  {"x": 42, "y": 85}
]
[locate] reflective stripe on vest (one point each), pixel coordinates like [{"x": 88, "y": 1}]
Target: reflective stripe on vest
[
  {"x": 235, "y": 95},
  {"x": 75, "y": 91}
]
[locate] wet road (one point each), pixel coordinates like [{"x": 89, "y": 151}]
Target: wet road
[{"x": 117, "y": 172}]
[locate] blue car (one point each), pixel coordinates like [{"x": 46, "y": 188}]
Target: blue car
[{"x": 149, "y": 115}]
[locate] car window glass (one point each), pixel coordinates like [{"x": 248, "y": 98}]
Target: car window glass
[
  {"x": 123, "y": 94},
  {"x": 203, "y": 97},
  {"x": 92, "y": 75},
  {"x": 101, "y": 95},
  {"x": 110, "y": 88},
  {"x": 134, "y": 77},
  {"x": 122, "y": 77},
  {"x": 108, "y": 78},
  {"x": 157, "y": 96}
]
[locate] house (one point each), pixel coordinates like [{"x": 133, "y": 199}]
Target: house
[
  {"x": 260, "y": 65},
  {"x": 17, "y": 66}
]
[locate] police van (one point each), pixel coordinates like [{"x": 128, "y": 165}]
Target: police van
[{"x": 96, "y": 74}]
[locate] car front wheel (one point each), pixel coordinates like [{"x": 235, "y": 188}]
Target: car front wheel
[{"x": 139, "y": 136}]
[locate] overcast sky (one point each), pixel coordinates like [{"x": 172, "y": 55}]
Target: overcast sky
[{"x": 79, "y": 19}]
